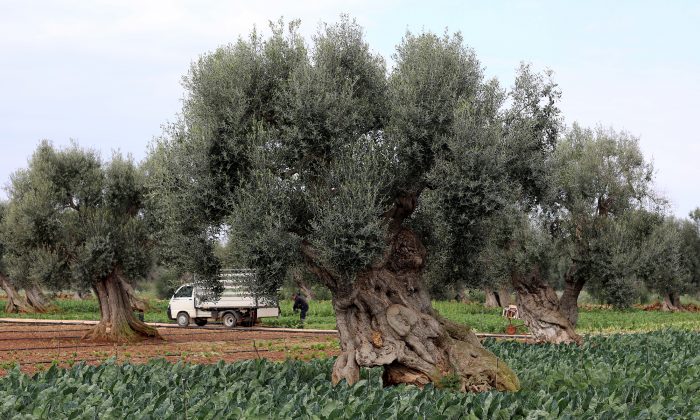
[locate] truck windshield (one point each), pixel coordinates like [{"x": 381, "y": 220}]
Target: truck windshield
[{"x": 185, "y": 291}]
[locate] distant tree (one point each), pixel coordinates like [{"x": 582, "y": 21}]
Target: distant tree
[
  {"x": 665, "y": 269},
  {"x": 77, "y": 222},
  {"x": 314, "y": 156},
  {"x": 492, "y": 171},
  {"x": 15, "y": 302},
  {"x": 598, "y": 176},
  {"x": 690, "y": 247}
]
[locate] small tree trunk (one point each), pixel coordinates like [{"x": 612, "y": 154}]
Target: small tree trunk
[
  {"x": 80, "y": 295},
  {"x": 301, "y": 284},
  {"x": 117, "y": 322},
  {"x": 36, "y": 299},
  {"x": 672, "y": 302},
  {"x": 540, "y": 310},
  {"x": 504, "y": 296},
  {"x": 15, "y": 302},
  {"x": 491, "y": 300},
  {"x": 385, "y": 318}
]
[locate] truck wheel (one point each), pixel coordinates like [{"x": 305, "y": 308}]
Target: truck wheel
[
  {"x": 230, "y": 319},
  {"x": 200, "y": 322},
  {"x": 183, "y": 319}
]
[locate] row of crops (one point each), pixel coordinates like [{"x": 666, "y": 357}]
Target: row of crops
[{"x": 651, "y": 375}]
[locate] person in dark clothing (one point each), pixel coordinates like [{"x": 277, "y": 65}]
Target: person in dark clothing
[{"x": 301, "y": 305}]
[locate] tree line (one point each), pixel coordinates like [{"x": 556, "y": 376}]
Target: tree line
[{"x": 384, "y": 185}]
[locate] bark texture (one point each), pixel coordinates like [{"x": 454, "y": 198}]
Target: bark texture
[
  {"x": 15, "y": 302},
  {"x": 490, "y": 298},
  {"x": 36, "y": 299},
  {"x": 385, "y": 318},
  {"x": 541, "y": 310},
  {"x": 504, "y": 297},
  {"x": 117, "y": 322}
]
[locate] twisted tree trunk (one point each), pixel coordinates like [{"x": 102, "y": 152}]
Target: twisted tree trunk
[
  {"x": 36, "y": 299},
  {"x": 568, "y": 303},
  {"x": 117, "y": 322},
  {"x": 385, "y": 318},
  {"x": 15, "y": 302},
  {"x": 542, "y": 311}
]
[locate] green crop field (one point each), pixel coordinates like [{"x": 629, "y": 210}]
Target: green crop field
[
  {"x": 647, "y": 375},
  {"x": 478, "y": 317}
]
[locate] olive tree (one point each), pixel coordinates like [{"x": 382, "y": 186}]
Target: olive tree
[
  {"x": 487, "y": 191},
  {"x": 669, "y": 260},
  {"x": 690, "y": 248},
  {"x": 318, "y": 155},
  {"x": 74, "y": 221},
  {"x": 597, "y": 177}
]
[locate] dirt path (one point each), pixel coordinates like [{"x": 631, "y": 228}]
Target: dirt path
[{"x": 36, "y": 346}]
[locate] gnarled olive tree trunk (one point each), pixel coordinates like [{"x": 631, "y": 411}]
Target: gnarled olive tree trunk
[
  {"x": 490, "y": 298},
  {"x": 36, "y": 299},
  {"x": 546, "y": 316},
  {"x": 117, "y": 322},
  {"x": 385, "y": 318},
  {"x": 15, "y": 302},
  {"x": 672, "y": 302}
]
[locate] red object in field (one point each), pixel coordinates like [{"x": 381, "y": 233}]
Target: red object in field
[{"x": 511, "y": 329}]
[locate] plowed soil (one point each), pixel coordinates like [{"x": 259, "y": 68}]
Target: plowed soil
[{"x": 37, "y": 347}]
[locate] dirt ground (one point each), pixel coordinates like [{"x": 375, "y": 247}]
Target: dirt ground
[{"x": 37, "y": 347}]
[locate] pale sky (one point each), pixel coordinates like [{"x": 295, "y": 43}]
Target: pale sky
[{"x": 107, "y": 73}]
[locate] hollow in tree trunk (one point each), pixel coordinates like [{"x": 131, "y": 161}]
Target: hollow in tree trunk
[
  {"x": 117, "y": 322},
  {"x": 15, "y": 302},
  {"x": 491, "y": 300},
  {"x": 541, "y": 310},
  {"x": 672, "y": 302},
  {"x": 385, "y": 318},
  {"x": 36, "y": 299}
]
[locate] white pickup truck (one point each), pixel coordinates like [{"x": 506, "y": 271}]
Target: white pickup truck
[{"x": 236, "y": 305}]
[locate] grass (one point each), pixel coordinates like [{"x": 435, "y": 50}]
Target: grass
[{"x": 481, "y": 319}]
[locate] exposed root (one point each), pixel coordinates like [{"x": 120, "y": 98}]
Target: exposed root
[
  {"x": 15, "y": 302},
  {"x": 118, "y": 322},
  {"x": 387, "y": 320}
]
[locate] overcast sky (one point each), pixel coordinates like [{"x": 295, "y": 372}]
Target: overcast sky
[{"x": 107, "y": 73}]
